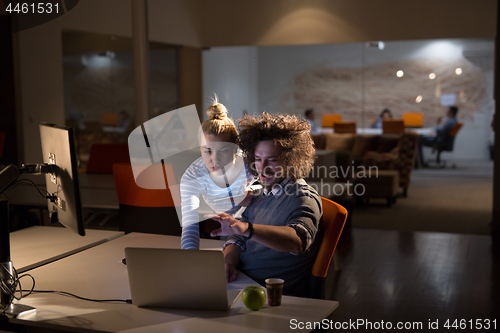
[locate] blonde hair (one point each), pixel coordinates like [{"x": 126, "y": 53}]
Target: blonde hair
[{"x": 219, "y": 123}]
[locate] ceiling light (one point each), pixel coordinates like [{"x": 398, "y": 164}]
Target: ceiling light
[
  {"x": 418, "y": 99},
  {"x": 432, "y": 76},
  {"x": 400, "y": 73},
  {"x": 458, "y": 71}
]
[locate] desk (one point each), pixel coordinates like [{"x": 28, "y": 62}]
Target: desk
[
  {"x": 99, "y": 273},
  {"x": 420, "y": 131},
  {"x": 36, "y": 246}
]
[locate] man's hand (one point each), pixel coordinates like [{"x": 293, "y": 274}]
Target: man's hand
[
  {"x": 231, "y": 272},
  {"x": 231, "y": 260},
  {"x": 229, "y": 225}
]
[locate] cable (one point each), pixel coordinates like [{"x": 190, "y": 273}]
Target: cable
[
  {"x": 64, "y": 293},
  {"x": 20, "y": 181},
  {"x": 16, "y": 281}
]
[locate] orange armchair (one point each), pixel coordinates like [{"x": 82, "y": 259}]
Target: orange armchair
[
  {"x": 330, "y": 228},
  {"x": 103, "y": 155},
  {"x": 145, "y": 210}
]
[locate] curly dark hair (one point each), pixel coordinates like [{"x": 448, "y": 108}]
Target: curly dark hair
[{"x": 292, "y": 134}]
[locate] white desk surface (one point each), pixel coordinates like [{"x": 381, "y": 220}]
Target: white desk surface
[
  {"x": 99, "y": 273},
  {"x": 36, "y": 246}
]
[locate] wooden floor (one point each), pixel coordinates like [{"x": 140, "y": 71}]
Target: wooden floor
[{"x": 415, "y": 276}]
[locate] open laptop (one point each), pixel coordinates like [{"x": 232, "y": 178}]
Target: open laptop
[{"x": 178, "y": 279}]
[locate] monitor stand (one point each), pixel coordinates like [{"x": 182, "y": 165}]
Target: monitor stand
[{"x": 8, "y": 308}]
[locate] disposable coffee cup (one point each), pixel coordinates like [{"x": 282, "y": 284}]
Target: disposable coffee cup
[{"x": 274, "y": 291}]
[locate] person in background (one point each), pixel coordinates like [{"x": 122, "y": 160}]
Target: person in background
[
  {"x": 442, "y": 132},
  {"x": 275, "y": 236},
  {"x": 310, "y": 116},
  {"x": 377, "y": 122},
  {"x": 219, "y": 175},
  {"x": 124, "y": 122}
]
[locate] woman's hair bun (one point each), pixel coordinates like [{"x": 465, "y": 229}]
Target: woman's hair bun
[{"x": 217, "y": 111}]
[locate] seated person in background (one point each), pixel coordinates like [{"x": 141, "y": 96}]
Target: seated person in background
[
  {"x": 310, "y": 116},
  {"x": 377, "y": 122},
  {"x": 442, "y": 132},
  {"x": 219, "y": 175},
  {"x": 275, "y": 237}
]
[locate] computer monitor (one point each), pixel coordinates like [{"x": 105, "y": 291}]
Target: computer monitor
[{"x": 58, "y": 148}]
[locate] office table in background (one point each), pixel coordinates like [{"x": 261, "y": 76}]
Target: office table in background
[
  {"x": 377, "y": 131},
  {"x": 99, "y": 273},
  {"x": 37, "y": 245}
]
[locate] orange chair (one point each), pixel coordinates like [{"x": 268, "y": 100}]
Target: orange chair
[
  {"x": 413, "y": 119},
  {"x": 109, "y": 119},
  {"x": 103, "y": 155},
  {"x": 145, "y": 210},
  {"x": 447, "y": 145},
  {"x": 330, "y": 119},
  {"x": 395, "y": 126},
  {"x": 344, "y": 127},
  {"x": 330, "y": 228}
]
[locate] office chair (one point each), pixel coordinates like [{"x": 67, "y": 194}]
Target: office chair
[
  {"x": 145, "y": 210},
  {"x": 104, "y": 155},
  {"x": 109, "y": 119},
  {"x": 395, "y": 126},
  {"x": 447, "y": 144},
  {"x": 330, "y": 227},
  {"x": 330, "y": 119},
  {"x": 413, "y": 119},
  {"x": 344, "y": 127},
  {"x": 101, "y": 159}
]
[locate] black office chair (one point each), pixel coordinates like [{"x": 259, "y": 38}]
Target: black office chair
[{"x": 447, "y": 144}]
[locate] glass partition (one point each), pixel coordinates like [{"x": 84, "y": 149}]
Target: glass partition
[{"x": 99, "y": 86}]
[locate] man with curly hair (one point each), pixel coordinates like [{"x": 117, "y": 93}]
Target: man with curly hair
[{"x": 275, "y": 236}]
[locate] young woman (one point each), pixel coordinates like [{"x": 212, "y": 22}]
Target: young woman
[
  {"x": 377, "y": 122},
  {"x": 219, "y": 175}
]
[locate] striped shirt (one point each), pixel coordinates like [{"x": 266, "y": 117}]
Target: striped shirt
[{"x": 196, "y": 182}]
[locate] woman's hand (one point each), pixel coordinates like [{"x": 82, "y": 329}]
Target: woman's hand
[
  {"x": 248, "y": 199},
  {"x": 229, "y": 225}
]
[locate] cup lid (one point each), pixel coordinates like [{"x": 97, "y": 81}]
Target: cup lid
[{"x": 274, "y": 281}]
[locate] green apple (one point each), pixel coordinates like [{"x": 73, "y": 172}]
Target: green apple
[{"x": 253, "y": 297}]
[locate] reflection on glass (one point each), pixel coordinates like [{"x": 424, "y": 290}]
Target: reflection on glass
[{"x": 99, "y": 86}]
